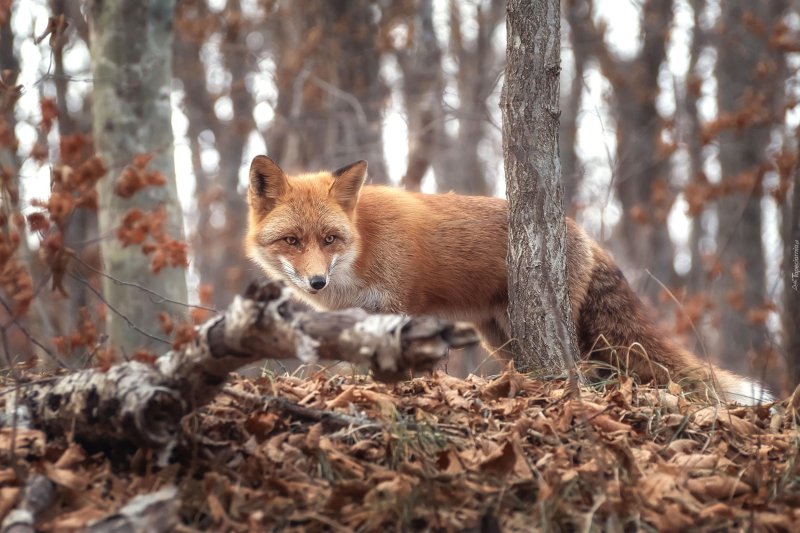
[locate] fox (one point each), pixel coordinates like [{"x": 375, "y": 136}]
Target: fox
[{"x": 345, "y": 244}]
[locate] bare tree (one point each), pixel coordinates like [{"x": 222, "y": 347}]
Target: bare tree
[
  {"x": 420, "y": 60},
  {"x": 693, "y": 139},
  {"x": 459, "y": 165},
  {"x": 641, "y": 173},
  {"x": 131, "y": 47},
  {"x": 571, "y": 168},
  {"x": 330, "y": 94},
  {"x": 749, "y": 96},
  {"x": 221, "y": 262},
  {"x": 82, "y": 225},
  {"x": 791, "y": 262},
  {"x": 539, "y": 306}
]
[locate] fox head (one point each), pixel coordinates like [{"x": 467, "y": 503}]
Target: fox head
[{"x": 302, "y": 228}]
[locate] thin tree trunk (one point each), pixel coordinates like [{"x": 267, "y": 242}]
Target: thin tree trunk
[
  {"x": 131, "y": 47},
  {"x": 696, "y": 277},
  {"x": 199, "y": 109},
  {"x": 330, "y": 93},
  {"x": 459, "y": 166},
  {"x": 539, "y": 306},
  {"x": 747, "y": 88},
  {"x": 231, "y": 267},
  {"x": 642, "y": 173},
  {"x": 571, "y": 168},
  {"x": 791, "y": 262},
  {"x": 423, "y": 86},
  {"x": 82, "y": 222},
  {"x": 10, "y": 196}
]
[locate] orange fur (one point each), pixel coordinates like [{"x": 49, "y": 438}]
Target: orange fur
[{"x": 390, "y": 250}]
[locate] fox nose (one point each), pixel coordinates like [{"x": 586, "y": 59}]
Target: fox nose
[{"x": 317, "y": 282}]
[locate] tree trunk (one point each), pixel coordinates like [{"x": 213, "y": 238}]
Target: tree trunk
[
  {"x": 748, "y": 89},
  {"x": 423, "y": 86},
  {"x": 539, "y": 306},
  {"x": 219, "y": 255},
  {"x": 131, "y": 47},
  {"x": 791, "y": 265},
  {"x": 571, "y": 168},
  {"x": 330, "y": 94},
  {"x": 82, "y": 222},
  {"x": 459, "y": 165},
  {"x": 641, "y": 174},
  {"x": 643, "y": 171}
]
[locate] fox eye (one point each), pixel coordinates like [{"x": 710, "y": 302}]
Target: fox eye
[
  {"x": 329, "y": 239},
  {"x": 290, "y": 240}
]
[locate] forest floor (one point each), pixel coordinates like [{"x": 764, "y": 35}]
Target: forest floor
[{"x": 344, "y": 453}]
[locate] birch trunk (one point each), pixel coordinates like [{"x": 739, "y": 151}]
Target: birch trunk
[{"x": 131, "y": 47}]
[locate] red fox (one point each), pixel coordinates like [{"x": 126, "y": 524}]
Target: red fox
[{"x": 343, "y": 244}]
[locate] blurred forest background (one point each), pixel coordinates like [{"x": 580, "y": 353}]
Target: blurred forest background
[{"x": 679, "y": 148}]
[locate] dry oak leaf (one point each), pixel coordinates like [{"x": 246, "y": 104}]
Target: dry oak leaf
[
  {"x": 136, "y": 177},
  {"x": 717, "y": 488},
  {"x": 9, "y": 496},
  {"x": 507, "y": 460},
  {"x": 65, "y": 478},
  {"x": 710, "y": 416},
  {"x": 608, "y": 424}
]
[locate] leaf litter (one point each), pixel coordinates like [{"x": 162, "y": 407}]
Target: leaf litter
[{"x": 438, "y": 453}]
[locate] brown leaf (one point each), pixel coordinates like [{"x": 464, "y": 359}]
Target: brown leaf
[{"x": 717, "y": 488}]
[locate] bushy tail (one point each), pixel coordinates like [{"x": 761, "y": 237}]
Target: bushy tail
[
  {"x": 614, "y": 326},
  {"x": 730, "y": 387}
]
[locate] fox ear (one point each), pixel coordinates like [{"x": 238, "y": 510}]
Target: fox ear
[
  {"x": 347, "y": 182},
  {"x": 267, "y": 183}
]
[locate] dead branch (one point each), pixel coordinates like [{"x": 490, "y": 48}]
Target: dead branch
[
  {"x": 142, "y": 404},
  {"x": 39, "y": 494},
  {"x": 154, "y": 512}
]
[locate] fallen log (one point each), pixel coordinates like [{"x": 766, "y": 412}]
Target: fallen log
[{"x": 141, "y": 404}]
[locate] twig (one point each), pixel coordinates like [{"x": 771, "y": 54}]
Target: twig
[
  {"x": 161, "y": 298},
  {"x": 15, "y": 321},
  {"x": 117, "y": 312}
]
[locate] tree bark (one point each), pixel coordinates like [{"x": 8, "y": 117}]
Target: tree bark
[
  {"x": 38, "y": 497},
  {"x": 219, "y": 255},
  {"x": 140, "y": 404},
  {"x": 157, "y": 512},
  {"x": 571, "y": 167},
  {"x": 330, "y": 94},
  {"x": 459, "y": 165},
  {"x": 791, "y": 265},
  {"x": 422, "y": 88},
  {"x": 641, "y": 175},
  {"x": 748, "y": 88},
  {"x": 537, "y": 271},
  {"x": 131, "y": 47}
]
